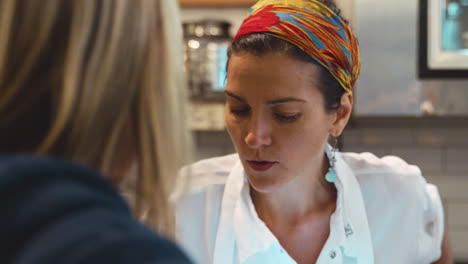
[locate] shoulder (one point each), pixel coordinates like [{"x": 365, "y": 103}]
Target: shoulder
[
  {"x": 53, "y": 179},
  {"x": 398, "y": 198},
  {"x": 208, "y": 172},
  {"x": 198, "y": 206},
  {"x": 368, "y": 163},
  {"x": 65, "y": 206},
  {"x": 389, "y": 172},
  {"x": 203, "y": 183},
  {"x": 389, "y": 182}
]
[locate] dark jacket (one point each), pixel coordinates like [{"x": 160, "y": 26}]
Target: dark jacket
[{"x": 56, "y": 212}]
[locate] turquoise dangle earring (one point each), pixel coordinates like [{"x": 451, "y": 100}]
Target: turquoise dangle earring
[{"x": 331, "y": 174}]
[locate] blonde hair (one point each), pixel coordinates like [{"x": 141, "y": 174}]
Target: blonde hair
[{"x": 77, "y": 75}]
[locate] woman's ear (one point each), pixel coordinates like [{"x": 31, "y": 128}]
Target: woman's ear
[{"x": 342, "y": 115}]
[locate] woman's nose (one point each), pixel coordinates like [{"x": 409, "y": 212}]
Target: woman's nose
[{"x": 258, "y": 135}]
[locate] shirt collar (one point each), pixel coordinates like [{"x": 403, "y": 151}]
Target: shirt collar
[
  {"x": 225, "y": 244},
  {"x": 354, "y": 230},
  {"x": 252, "y": 235},
  {"x": 349, "y": 224}
]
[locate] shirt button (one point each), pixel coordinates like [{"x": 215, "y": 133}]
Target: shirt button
[
  {"x": 332, "y": 254},
  {"x": 348, "y": 230}
]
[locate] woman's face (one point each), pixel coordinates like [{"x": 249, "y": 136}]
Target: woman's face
[{"x": 276, "y": 118}]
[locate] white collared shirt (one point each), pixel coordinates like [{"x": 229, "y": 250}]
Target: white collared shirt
[{"x": 386, "y": 213}]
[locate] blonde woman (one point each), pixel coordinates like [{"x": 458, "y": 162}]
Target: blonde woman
[{"x": 97, "y": 83}]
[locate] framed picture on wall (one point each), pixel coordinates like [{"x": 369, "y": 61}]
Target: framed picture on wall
[{"x": 443, "y": 39}]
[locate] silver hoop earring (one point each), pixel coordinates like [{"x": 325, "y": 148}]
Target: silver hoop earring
[{"x": 331, "y": 174}]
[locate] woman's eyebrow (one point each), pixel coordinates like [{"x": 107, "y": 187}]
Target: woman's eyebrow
[
  {"x": 235, "y": 96},
  {"x": 270, "y": 102},
  {"x": 285, "y": 100}
]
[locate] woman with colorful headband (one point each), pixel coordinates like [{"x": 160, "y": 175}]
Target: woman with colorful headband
[{"x": 288, "y": 196}]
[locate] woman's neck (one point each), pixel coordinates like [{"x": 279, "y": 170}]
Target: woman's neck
[{"x": 299, "y": 200}]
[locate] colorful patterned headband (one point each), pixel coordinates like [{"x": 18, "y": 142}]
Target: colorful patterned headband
[{"x": 312, "y": 27}]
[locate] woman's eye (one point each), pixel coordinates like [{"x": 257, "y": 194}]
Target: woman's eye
[
  {"x": 240, "y": 111},
  {"x": 287, "y": 118}
]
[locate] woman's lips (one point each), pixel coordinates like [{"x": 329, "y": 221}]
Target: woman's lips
[{"x": 260, "y": 165}]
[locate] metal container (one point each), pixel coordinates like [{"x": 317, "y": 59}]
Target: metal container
[{"x": 206, "y": 44}]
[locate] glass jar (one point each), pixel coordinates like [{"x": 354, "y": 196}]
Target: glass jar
[
  {"x": 193, "y": 33},
  {"x": 206, "y": 44}
]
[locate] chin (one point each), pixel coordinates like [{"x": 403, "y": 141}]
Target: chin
[
  {"x": 263, "y": 184},
  {"x": 265, "y": 181}
]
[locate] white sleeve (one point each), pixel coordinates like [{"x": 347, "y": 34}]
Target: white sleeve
[{"x": 433, "y": 226}]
